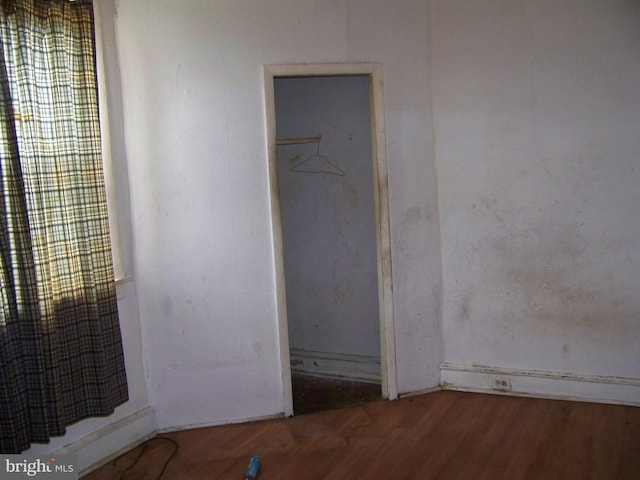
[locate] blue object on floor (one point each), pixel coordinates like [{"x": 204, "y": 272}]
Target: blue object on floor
[{"x": 252, "y": 469}]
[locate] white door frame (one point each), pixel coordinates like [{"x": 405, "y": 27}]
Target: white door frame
[{"x": 383, "y": 238}]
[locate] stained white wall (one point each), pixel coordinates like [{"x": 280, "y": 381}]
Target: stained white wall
[
  {"x": 537, "y": 111},
  {"x": 328, "y": 220},
  {"x": 194, "y": 126}
]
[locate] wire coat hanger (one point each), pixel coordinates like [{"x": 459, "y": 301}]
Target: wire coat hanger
[{"x": 316, "y": 163}]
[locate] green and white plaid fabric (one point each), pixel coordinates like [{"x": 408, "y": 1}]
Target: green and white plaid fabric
[{"x": 61, "y": 356}]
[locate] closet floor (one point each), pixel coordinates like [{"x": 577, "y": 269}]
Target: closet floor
[{"x": 313, "y": 394}]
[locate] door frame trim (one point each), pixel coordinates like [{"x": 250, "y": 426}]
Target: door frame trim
[{"x": 389, "y": 378}]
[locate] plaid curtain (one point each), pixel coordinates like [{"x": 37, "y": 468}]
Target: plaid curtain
[{"x": 61, "y": 356}]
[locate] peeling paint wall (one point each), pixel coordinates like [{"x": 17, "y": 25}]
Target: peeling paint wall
[{"x": 537, "y": 111}]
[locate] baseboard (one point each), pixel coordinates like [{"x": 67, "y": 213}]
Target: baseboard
[
  {"x": 105, "y": 444},
  {"x": 220, "y": 423},
  {"x": 543, "y": 384},
  {"x": 361, "y": 368},
  {"x": 417, "y": 393}
]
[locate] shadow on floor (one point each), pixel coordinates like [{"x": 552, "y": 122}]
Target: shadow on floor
[{"x": 313, "y": 394}]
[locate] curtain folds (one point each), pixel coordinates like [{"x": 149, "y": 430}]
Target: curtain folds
[{"x": 61, "y": 357}]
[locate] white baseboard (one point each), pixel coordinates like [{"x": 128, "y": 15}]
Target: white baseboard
[
  {"x": 361, "y": 368},
  {"x": 417, "y": 393},
  {"x": 220, "y": 423},
  {"x": 102, "y": 446},
  {"x": 537, "y": 383}
]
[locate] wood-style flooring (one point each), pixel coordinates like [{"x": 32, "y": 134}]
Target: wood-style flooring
[{"x": 442, "y": 435}]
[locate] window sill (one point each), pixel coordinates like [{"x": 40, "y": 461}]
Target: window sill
[{"x": 125, "y": 279}]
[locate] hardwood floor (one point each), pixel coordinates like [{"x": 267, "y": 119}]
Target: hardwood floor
[{"x": 443, "y": 435}]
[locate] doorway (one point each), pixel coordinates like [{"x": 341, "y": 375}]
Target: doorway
[{"x": 331, "y": 231}]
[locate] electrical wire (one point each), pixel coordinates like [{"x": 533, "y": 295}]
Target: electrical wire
[{"x": 145, "y": 445}]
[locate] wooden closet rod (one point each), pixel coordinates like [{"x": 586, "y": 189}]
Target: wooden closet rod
[{"x": 293, "y": 141}]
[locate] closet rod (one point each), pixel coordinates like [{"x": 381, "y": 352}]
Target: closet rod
[{"x": 293, "y": 141}]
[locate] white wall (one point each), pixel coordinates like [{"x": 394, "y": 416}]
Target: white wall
[
  {"x": 537, "y": 111},
  {"x": 328, "y": 220},
  {"x": 196, "y": 149}
]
